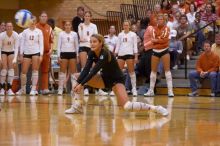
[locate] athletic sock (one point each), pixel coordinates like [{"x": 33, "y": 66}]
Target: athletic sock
[
  {"x": 138, "y": 106},
  {"x": 169, "y": 80},
  {"x": 10, "y": 76},
  {"x": 133, "y": 80},
  {"x": 153, "y": 77},
  {"x": 34, "y": 79},
  {"x": 62, "y": 77}
]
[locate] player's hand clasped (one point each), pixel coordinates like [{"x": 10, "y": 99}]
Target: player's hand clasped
[{"x": 78, "y": 88}]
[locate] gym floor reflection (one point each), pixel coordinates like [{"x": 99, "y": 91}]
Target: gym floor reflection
[{"x": 40, "y": 121}]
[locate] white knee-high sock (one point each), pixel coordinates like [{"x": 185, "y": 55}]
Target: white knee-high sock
[
  {"x": 133, "y": 80},
  {"x": 169, "y": 80},
  {"x": 153, "y": 77},
  {"x": 11, "y": 74},
  {"x": 23, "y": 81},
  {"x": 34, "y": 79},
  {"x": 3, "y": 76},
  {"x": 62, "y": 77},
  {"x": 138, "y": 106}
]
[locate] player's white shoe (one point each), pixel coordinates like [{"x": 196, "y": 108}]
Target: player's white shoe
[
  {"x": 20, "y": 92},
  {"x": 76, "y": 108},
  {"x": 100, "y": 92},
  {"x": 170, "y": 93},
  {"x": 60, "y": 91},
  {"x": 86, "y": 92},
  {"x": 33, "y": 92},
  {"x": 112, "y": 93},
  {"x": 2, "y": 92},
  {"x": 149, "y": 93},
  {"x": 10, "y": 93},
  {"x": 134, "y": 92},
  {"x": 161, "y": 110}
]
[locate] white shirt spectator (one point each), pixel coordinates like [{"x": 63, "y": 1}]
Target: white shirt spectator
[{"x": 191, "y": 17}]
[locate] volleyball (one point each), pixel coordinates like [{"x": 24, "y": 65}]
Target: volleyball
[{"x": 23, "y": 18}]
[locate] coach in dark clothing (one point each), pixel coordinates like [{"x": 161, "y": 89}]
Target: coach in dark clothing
[{"x": 78, "y": 19}]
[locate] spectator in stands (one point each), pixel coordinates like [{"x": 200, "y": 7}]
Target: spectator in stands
[
  {"x": 139, "y": 41},
  {"x": 216, "y": 45},
  {"x": 144, "y": 65},
  {"x": 209, "y": 16},
  {"x": 131, "y": 18},
  {"x": 165, "y": 6},
  {"x": 216, "y": 50},
  {"x": 200, "y": 35},
  {"x": 173, "y": 24},
  {"x": 206, "y": 67},
  {"x": 78, "y": 19},
  {"x": 56, "y": 30},
  {"x": 153, "y": 18},
  {"x": 183, "y": 30},
  {"x": 192, "y": 13},
  {"x": 149, "y": 13},
  {"x": 2, "y": 27},
  {"x": 175, "y": 49},
  {"x": 143, "y": 24}
]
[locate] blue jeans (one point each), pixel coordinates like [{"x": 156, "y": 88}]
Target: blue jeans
[
  {"x": 194, "y": 76},
  {"x": 218, "y": 83}
]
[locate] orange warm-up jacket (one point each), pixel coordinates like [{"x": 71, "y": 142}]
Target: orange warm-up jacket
[
  {"x": 161, "y": 34},
  {"x": 207, "y": 63},
  {"x": 47, "y": 34}
]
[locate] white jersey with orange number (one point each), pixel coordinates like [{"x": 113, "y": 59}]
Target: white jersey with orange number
[
  {"x": 32, "y": 42},
  {"x": 85, "y": 32},
  {"x": 111, "y": 41},
  {"x": 9, "y": 43},
  {"x": 127, "y": 44},
  {"x": 67, "y": 42}
]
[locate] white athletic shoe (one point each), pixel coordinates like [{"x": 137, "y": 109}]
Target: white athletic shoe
[
  {"x": 2, "y": 92},
  {"x": 100, "y": 92},
  {"x": 76, "y": 108},
  {"x": 134, "y": 92},
  {"x": 161, "y": 110},
  {"x": 149, "y": 93},
  {"x": 112, "y": 93},
  {"x": 60, "y": 91},
  {"x": 10, "y": 93},
  {"x": 20, "y": 92},
  {"x": 170, "y": 93},
  {"x": 33, "y": 92},
  {"x": 45, "y": 92},
  {"x": 86, "y": 92}
]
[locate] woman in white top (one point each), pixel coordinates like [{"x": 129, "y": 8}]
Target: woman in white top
[
  {"x": 111, "y": 39},
  {"x": 31, "y": 52},
  {"x": 127, "y": 52},
  {"x": 85, "y": 31},
  {"x": 192, "y": 12},
  {"x": 9, "y": 41},
  {"x": 67, "y": 52}
]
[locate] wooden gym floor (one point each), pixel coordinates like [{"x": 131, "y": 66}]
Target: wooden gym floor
[{"x": 40, "y": 121}]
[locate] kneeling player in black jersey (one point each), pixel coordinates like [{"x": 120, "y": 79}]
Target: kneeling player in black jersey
[{"x": 110, "y": 77}]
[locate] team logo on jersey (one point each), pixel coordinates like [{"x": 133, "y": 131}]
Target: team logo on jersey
[{"x": 101, "y": 57}]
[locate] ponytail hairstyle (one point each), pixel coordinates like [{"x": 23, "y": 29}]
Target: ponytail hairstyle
[{"x": 101, "y": 39}]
